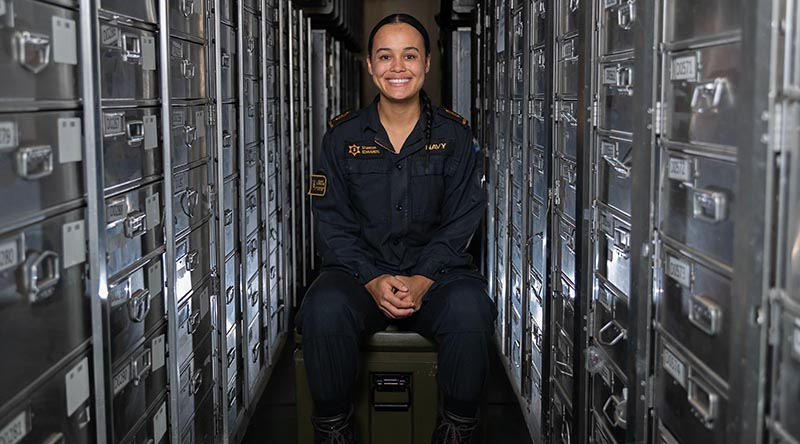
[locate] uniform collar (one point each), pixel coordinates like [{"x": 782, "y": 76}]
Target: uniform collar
[{"x": 370, "y": 120}]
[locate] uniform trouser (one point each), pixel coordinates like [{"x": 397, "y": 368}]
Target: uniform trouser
[{"x": 338, "y": 313}]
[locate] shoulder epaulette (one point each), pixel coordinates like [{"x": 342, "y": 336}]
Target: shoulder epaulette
[
  {"x": 341, "y": 118},
  {"x": 452, "y": 115}
]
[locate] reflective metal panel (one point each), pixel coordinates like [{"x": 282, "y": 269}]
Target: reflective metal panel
[
  {"x": 616, "y": 96},
  {"x": 134, "y": 226},
  {"x": 687, "y": 19},
  {"x": 617, "y": 21},
  {"x": 41, "y": 162},
  {"x": 195, "y": 380},
  {"x": 228, "y": 48},
  {"x": 614, "y": 172},
  {"x": 132, "y": 146},
  {"x": 193, "y": 259},
  {"x": 613, "y": 249},
  {"x": 144, "y": 10},
  {"x": 188, "y": 70},
  {"x": 190, "y": 200},
  {"x": 43, "y": 298},
  {"x": 128, "y": 63},
  {"x": 192, "y": 136},
  {"x": 188, "y": 17}
]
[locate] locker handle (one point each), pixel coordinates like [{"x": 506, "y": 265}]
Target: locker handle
[
  {"x": 231, "y": 397},
  {"x": 189, "y": 200},
  {"x": 139, "y": 305},
  {"x": 273, "y": 273},
  {"x": 188, "y": 69},
  {"x": 705, "y": 314},
  {"x": 34, "y": 51},
  {"x": 197, "y": 381},
  {"x": 624, "y": 84},
  {"x": 620, "y": 335},
  {"x": 541, "y": 9},
  {"x": 390, "y": 383},
  {"x": 134, "y": 129},
  {"x": 617, "y": 418},
  {"x": 193, "y": 323},
  {"x": 226, "y": 59},
  {"x": 226, "y": 139},
  {"x": 35, "y": 162},
  {"x": 573, "y": 5},
  {"x": 517, "y": 345},
  {"x": 623, "y": 171},
  {"x": 252, "y": 246},
  {"x": 141, "y": 370},
  {"x": 566, "y": 436},
  {"x": 569, "y": 118},
  {"x": 251, "y": 111},
  {"x": 229, "y": 293},
  {"x": 622, "y": 242},
  {"x": 231, "y": 356},
  {"x": 228, "y": 217},
  {"x": 189, "y": 135},
  {"x": 255, "y": 352},
  {"x": 187, "y": 7},
  {"x": 40, "y": 275},
  {"x": 250, "y": 44},
  {"x": 709, "y": 206},
  {"x": 131, "y": 48},
  {"x": 277, "y": 310},
  {"x": 135, "y": 224},
  {"x": 253, "y": 298},
  {"x": 192, "y": 260},
  {"x": 704, "y": 403},
  {"x": 707, "y": 97},
  {"x": 626, "y": 15}
]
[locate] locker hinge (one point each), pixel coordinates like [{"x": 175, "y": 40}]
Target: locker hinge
[
  {"x": 774, "y": 332},
  {"x": 218, "y": 422},
  {"x": 530, "y": 107},
  {"x": 777, "y": 134},
  {"x": 555, "y": 107},
  {"x": 658, "y": 118},
  {"x": 650, "y": 393},
  {"x": 212, "y": 115},
  {"x": 595, "y": 113}
]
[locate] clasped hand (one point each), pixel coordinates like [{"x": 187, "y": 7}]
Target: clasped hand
[{"x": 399, "y": 296}]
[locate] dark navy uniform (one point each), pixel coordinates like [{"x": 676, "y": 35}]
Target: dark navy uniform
[{"x": 408, "y": 213}]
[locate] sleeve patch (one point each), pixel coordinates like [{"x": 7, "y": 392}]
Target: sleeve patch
[{"x": 318, "y": 186}]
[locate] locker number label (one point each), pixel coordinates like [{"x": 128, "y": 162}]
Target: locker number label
[
  {"x": 77, "y": 383},
  {"x": 150, "y": 132},
  {"x": 149, "y": 53},
  {"x": 14, "y": 431},
  {"x": 121, "y": 379},
  {"x": 158, "y": 348},
  {"x": 69, "y": 140},
  {"x": 680, "y": 270},
  {"x": 155, "y": 279},
  {"x": 684, "y": 68},
  {"x": 610, "y": 75},
  {"x": 674, "y": 367},
  {"x": 609, "y": 3},
  {"x": 8, "y": 135},
  {"x": 109, "y": 35},
  {"x": 65, "y": 41},
  {"x": 3, "y": 10},
  {"x": 10, "y": 254},
  {"x": 153, "y": 210},
  {"x": 679, "y": 169}
]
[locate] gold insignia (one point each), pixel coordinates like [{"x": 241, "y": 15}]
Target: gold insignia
[
  {"x": 318, "y": 186},
  {"x": 354, "y": 150},
  {"x": 333, "y": 121},
  {"x": 436, "y": 146}
]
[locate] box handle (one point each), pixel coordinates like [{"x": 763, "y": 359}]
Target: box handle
[
  {"x": 231, "y": 355},
  {"x": 709, "y": 206},
  {"x": 192, "y": 260},
  {"x": 34, "y": 51},
  {"x": 229, "y": 293},
  {"x": 707, "y": 97},
  {"x": 134, "y": 129},
  {"x": 197, "y": 381},
  {"x": 626, "y": 15},
  {"x": 35, "y": 162},
  {"x": 189, "y": 200},
  {"x": 704, "y": 402},
  {"x": 188, "y": 69},
  {"x": 131, "y": 48},
  {"x": 135, "y": 224},
  {"x": 139, "y": 305},
  {"x": 226, "y": 59},
  {"x": 141, "y": 366},
  {"x": 390, "y": 383},
  {"x": 617, "y": 418},
  {"x": 193, "y": 323},
  {"x": 226, "y": 139},
  {"x": 253, "y": 297},
  {"x": 610, "y": 327},
  {"x": 187, "y": 7},
  {"x": 256, "y": 353},
  {"x": 40, "y": 275},
  {"x": 705, "y": 314},
  {"x": 189, "y": 135}
]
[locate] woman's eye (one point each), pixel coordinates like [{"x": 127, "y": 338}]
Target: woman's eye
[
  {"x": 384, "y": 57},
  {"x": 411, "y": 57}
]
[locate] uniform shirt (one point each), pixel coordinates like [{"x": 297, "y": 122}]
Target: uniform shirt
[{"x": 407, "y": 213}]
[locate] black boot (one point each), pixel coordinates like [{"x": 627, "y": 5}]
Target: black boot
[
  {"x": 334, "y": 429},
  {"x": 454, "y": 429}
]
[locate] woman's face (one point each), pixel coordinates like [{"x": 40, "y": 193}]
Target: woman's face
[{"x": 398, "y": 62}]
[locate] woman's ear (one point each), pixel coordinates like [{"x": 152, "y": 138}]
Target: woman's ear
[
  {"x": 369, "y": 66},
  {"x": 427, "y": 64}
]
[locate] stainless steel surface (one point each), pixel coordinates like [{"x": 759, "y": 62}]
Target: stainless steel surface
[
  {"x": 188, "y": 70},
  {"x": 128, "y": 63},
  {"x": 187, "y": 18},
  {"x": 134, "y": 226},
  {"x": 132, "y": 147}
]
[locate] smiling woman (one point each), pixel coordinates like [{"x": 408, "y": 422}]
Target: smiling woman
[{"x": 398, "y": 199}]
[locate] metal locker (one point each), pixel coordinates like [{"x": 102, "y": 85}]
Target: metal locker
[
  {"x": 614, "y": 163},
  {"x": 43, "y": 292},
  {"x": 41, "y": 162},
  {"x": 200, "y": 428},
  {"x": 187, "y": 70},
  {"x": 686, "y": 20},
  {"x": 145, "y": 10},
  {"x": 617, "y": 21},
  {"x": 192, "y": 138},
  {"x": 609, "y": 403},
  {"x": 251, "y": 46},
  {"x": 190, "y": 199},
  {"x": 128, "y": 63},
  {"x": 187, "y": 19},
  {"x": 232, "y": 292},
  {"x": 230, "y": 216},
  {"x": 228, "y": 58},
  {"x": 616, "y": 96},
  {"x": 613, "y": 249},
  {"x": 194, "y": 323},
  {"x": 154, "y": 427},
  {"x": 132, "y": 147},
  {"x": 230, "y": 140},
  {"x": 611, "y": 320},
  {"x": 194, "y": 384},
  {"x": 192, "y": 263},
  {"x": 134, "y": 226}
]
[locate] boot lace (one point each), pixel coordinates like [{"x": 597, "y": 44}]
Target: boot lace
[{"x": 453, "y": 433}]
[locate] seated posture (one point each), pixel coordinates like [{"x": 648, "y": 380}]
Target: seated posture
[{"x": 398, "y": 196}]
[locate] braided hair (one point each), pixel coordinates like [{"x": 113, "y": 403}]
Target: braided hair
[{"x": 427, "y": 108}]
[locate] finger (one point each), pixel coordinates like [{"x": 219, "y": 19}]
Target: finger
[
  {"x": 397, "y": 283},
  {"x": 400, "y": 302},
  {"x": 397, "y": 312}
]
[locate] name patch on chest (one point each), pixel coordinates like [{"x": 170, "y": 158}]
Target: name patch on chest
[
  {"x": 436, "y": 146},
  {"x": 356, "y": 150}
]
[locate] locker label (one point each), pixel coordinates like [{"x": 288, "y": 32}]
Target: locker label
[
  {"x": 680, "y": 169},
  {"x": 17, "y": 429},
  {"x": 200, "y": 123},
  {"x": 609, "y": 3},
  {"x": 65, "y": 47},
  {"x": 74, "y": 239},
  {"x": 160, "y": 423},
  {"x": 158, "y": 354},
  {"x": 121, "y": 379},
  {"x": 204, "y": 303},
  {"x": 153, "y": 210},
  {"x": 155, "y": 279},
  {"x": 112, "y": 124},
  {"x": 150, "y": 132},
  {"x": 674, "y": 367},
  {"x": 8, "y": 135},
  {"x": 180, "y": 182},
  {"x": 176, "y": 49},
  {"x": 69, "y": 140},
  {"x": 2, "y": 13},
  {"x": 109, "y": 35},
  {"x": 178, "y": 118},
  {"x": 77, "y": 384},
  {"x": 116, "y": 210},
  {"x": 610, "y": 75},
  {"x": 148, "y": 53},
  {"x": 684, "y": 68},
  {"x": 12, "y": 253},
  {"x": 680, "y": 270}
]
